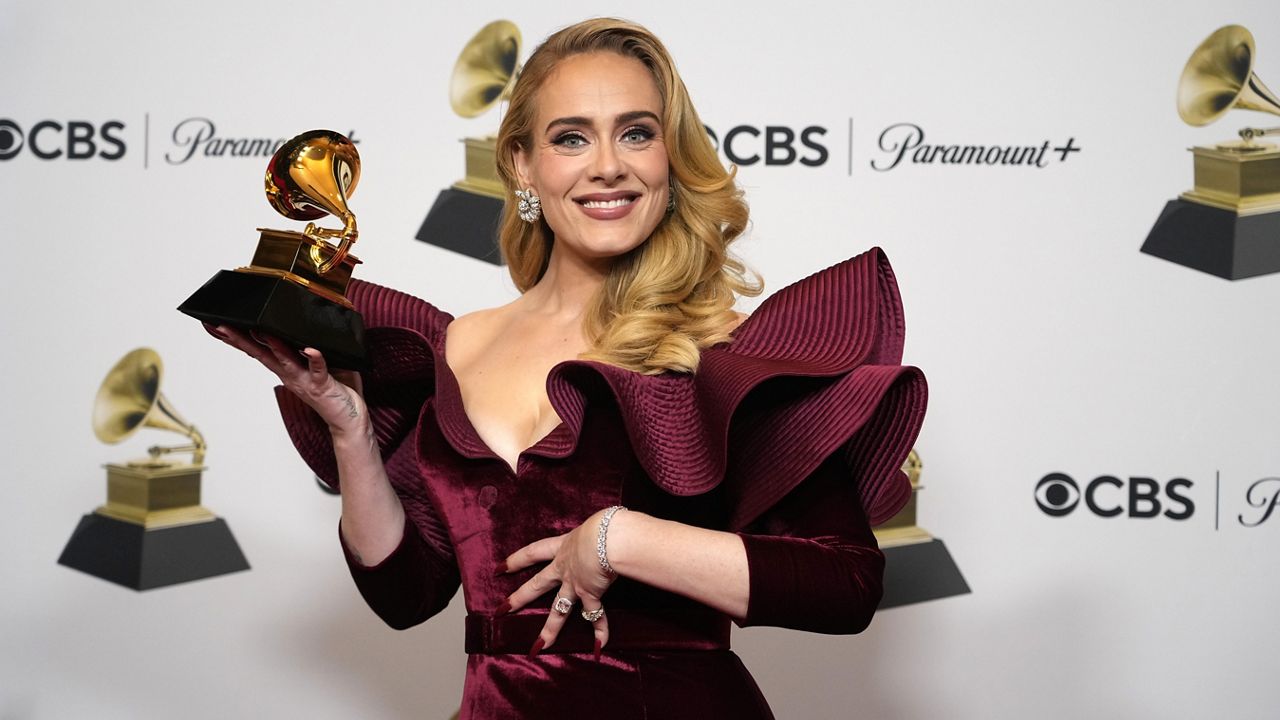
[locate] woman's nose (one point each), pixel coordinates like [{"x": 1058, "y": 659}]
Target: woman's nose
[{"x": 607, "y": 165}]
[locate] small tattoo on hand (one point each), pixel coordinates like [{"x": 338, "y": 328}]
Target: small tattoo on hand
[{"x": 351, "y": 405}]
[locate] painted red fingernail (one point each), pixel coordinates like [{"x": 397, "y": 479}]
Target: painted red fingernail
[
  {"x": 503, "y": 569},
  {"x": 537, "y": 646},
  {"x": 503, "y": 609},
  {"x": 597, "y": 650}
]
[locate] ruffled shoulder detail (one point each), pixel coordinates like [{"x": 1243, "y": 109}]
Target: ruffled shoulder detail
[{"x": 814, "y": 372}]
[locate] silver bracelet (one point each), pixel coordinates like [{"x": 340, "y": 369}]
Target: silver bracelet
[{"x": 602, "y": 540}]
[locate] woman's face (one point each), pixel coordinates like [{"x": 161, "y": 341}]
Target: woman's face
[{"x": 598, "y": 160}]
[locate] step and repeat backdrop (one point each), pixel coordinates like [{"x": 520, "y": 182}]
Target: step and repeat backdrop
[{"x": 1102, "y": 449}]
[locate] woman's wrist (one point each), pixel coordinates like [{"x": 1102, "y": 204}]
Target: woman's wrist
[
  {"x": 356, "y": 437},
  {"x": 623, "y": 538}
]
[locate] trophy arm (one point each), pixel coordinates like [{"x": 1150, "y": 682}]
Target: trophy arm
[
  {"x": 196, "y": 448},
  {"x": 1250, "y": 133},
  {"x": 347, "y": 237}
]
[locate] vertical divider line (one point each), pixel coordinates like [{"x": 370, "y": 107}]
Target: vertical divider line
[
  {"x": 146, "y": 140},
  {"x": 1217, "y": 479},
  {"x": 851, "y": 147}
]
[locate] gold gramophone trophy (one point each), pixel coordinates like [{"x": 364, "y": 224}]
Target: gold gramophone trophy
[
  {"x": 465, "y": 217},
  {"x": 917, "y": 565},
  {"x": 1229, "y": 224},
  {"x": 152, "y": 531},
  {"x": 295, "y": 287}
]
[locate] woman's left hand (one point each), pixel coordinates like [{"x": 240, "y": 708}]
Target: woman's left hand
[{"x": 575, "y": 569}]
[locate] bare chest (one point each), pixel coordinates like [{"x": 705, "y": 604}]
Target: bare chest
[{"x": 503, "y": 387}]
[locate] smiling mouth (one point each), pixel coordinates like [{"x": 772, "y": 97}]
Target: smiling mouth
[
  {"x": 602, "y": 204},
  {"x": 607, "y": 200}
]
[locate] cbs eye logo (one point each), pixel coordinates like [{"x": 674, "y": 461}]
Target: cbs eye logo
[
  {"x": 1107, "y": 496},
  {"x": 1057, "y": 494}
]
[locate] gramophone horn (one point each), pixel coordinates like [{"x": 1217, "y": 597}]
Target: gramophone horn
[
  {"x": 130, "y": 398},
  {"x": 310, "y": 176},
  {"x": 1219, "y": 76},
  {"x": 486, "y": 69}
]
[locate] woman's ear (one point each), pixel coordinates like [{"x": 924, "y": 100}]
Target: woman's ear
[{"x": 523, "y": 176}]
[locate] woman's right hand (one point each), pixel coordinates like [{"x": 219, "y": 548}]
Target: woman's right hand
[{"x": 338, "y": 402}]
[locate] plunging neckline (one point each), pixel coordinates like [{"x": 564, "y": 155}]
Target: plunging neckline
[{"x": 469, "y": 424}]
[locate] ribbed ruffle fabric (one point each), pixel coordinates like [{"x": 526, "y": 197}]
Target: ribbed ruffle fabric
[{"x": 814, "y": 371}]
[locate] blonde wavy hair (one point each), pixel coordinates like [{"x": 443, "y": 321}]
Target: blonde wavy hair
[{"x": 673, "y": 295}]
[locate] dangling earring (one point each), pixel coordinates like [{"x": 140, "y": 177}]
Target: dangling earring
[
  {"x": 530, "y": 206},
  {"x": 671, "y": 197}
]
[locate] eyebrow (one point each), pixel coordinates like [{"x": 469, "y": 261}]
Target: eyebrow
[{"x": 625, "y": 117}]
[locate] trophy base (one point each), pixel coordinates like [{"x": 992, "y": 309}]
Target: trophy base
[
  {"x": 1243, "y": 177},
  {"x": 276, "y": 306},
  {"x": 918, "y": 572},
  {"x": 466, "y": 223},
  {"x": 1216, "y": 241},
  {"x": 128, "y": 554},
  {"x": 154, "y": 494}
]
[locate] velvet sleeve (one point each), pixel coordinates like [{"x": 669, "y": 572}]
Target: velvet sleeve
[
  {"x": 814, "y": 563},
  {"x": 420, "y": 576},
  {"x": 410, "y": 585}
]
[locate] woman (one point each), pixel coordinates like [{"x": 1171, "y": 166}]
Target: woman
[{"x": 617, "y": 435}]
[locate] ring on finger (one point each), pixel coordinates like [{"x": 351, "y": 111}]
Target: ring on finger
[
  {"x": 563, "y": 605},
  {"x": 593, "y": 615}
]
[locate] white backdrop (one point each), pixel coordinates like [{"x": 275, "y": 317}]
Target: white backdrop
[{"x": 1050, "y": 342}]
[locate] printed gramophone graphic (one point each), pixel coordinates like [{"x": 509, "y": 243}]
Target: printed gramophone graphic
[
  {"x": 917, "y": 566},
  {"x": 1228, "y": 224},
  {"x": 465, "y": 216},
  {"x": 295, "y": 287},
  {"x": 152, "y": 531}
]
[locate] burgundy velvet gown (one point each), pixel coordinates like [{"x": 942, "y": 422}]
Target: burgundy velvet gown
[{"x": 792, "y": 435}]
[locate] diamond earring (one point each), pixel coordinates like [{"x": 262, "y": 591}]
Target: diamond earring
[
  {"x": 530, "y": 206},
  {"x": 671, "y": 197}
]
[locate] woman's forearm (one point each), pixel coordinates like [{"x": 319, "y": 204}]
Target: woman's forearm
[
  {"x": 372, "y": 516},
  {"x": 709, "y": 566}
]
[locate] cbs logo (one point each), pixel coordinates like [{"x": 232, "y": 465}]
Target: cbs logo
[
  {"x": 1058, "y": 495},
  {"x": 774, "y": 144},
  {"x": 50, "y": 140}
]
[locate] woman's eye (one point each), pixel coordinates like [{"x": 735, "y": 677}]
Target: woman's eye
[
  {"x": 637, "y": 135},
  {"x": 570, "y": 140}
]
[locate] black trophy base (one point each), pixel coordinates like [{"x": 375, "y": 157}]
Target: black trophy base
[
  {"x": 466, "y": 223},
  {"x": 1216, "y": 241},
  {"x": 919, "y": 572},
  {"x": 287, "y": 310},
  {"x": 135, "y": 557}
]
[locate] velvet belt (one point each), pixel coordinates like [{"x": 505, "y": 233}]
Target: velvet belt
[{"x": 656, "y": 629}]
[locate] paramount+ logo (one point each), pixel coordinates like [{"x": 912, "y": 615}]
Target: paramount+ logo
[{"x": 1108, "y": 496}]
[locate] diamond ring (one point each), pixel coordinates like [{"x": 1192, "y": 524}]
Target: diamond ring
[
  {"x": 592, "y": 615},
  {"x": 563, "y": 605}
]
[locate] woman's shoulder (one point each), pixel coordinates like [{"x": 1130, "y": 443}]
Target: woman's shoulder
[
  {"x": 476, "y": 328},
  {"x": 474, "y": 336}
]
